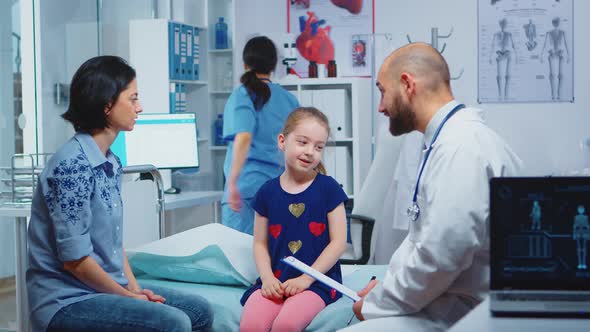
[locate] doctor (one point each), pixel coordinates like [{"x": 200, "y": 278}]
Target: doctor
[{"x": 441, "y": 269}]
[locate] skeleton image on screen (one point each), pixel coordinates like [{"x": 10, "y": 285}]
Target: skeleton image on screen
[
  {"x": 581, "y": 234},
  {"x": 530, "y": 31},
  {"x": 504, "y": 51},
  {"x": 556, "y": 43},
  {"x": 535, "y": 216}
]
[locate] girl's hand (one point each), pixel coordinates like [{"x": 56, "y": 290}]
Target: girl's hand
[
  {"x": 234, "y": 198},
  {"x": 297, "y": 285},
  {"x": 271, "y": 289}
]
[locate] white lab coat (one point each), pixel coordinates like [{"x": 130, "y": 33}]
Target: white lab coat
[
  {"x": 391, "y": 226},
  {"x": 389, "y": 181},
  {"x": 441, "y": 270}
]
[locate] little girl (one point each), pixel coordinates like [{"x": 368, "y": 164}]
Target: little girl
[{"x": 300, "y": 213}]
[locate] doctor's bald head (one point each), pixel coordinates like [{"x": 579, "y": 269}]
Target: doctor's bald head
[
  {"x": 422, "y": 61},
  {"x": 410, "y": 78}
]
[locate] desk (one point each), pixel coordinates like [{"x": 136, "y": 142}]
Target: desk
[
  {"x": 20, "y": 213},
  {"x": 193, "y": 198},
  {"x": 480, "y": 320}
]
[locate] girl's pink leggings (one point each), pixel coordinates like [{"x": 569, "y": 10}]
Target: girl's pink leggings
[{"x": 293, "y": 314}]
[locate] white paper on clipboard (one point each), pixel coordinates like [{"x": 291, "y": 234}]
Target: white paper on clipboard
[{"x": 317, "y": 275}]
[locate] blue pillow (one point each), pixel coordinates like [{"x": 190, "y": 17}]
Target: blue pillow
[{"x": 208, "y": 266}]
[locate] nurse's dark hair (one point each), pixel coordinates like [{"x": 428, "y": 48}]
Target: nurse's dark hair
[
  {"x": 95, "y": 87},
  {"x": 301, "y": 114},
  {"x": 260, "y": 55}
]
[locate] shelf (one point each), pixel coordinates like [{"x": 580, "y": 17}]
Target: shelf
[
  {"x": 340, "y": 140},
  {"x": 190, "y": 82},
  {"x": 222, "y": 51},
  {"x": 218, "y": 147},
  {"x": 220, "y": 92},
  {"x": 202, "y": 140},
  {"x": 293, "y": 82}
]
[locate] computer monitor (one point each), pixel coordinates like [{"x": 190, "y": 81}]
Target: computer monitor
[{"x": 165, "y": 140}]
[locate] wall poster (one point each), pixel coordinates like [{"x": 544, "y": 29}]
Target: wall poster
[
  {"x": 525, "y": 51},
  {"x": 332, "y": 30}
]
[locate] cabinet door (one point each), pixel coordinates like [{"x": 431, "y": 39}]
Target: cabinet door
[
  {"x": 338, "y": 164},
  {"x": 335, "y": 103}
]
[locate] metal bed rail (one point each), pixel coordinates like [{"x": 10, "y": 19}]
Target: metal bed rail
[{"x": 157, "y": 177}]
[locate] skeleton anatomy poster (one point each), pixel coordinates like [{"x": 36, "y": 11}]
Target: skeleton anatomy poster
[{"x": 525, "y": 51}]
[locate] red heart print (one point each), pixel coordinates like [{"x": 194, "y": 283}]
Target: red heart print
[
  {"x": 317, "y": 228},
  {"x": 333, "y": 293},
  {"x": 277, "y": 273},
  {"x": 275, "y": 230}
]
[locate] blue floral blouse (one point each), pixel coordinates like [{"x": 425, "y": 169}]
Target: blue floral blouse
[{"x": 76, "y": 212}]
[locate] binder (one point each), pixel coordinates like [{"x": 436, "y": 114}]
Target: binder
[
  {"x": 172, "y": 101},
  {"x": 196, "y": 53},
  {"x": 182, "y": 93},
  {"x": 183, "y": 52},
  {"x": 188, "y": 30},
  {"x": 176, "y": 51},
  {"x": 171, "y": 56}
]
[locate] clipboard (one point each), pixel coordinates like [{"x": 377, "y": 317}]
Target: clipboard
[{"x": 317, "y": 275}]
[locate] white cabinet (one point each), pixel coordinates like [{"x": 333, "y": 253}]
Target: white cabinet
[
  {"x": 150, "y": 54},
  {"x": 149, "y": 44},
  {"x": 346, "y": 102}
]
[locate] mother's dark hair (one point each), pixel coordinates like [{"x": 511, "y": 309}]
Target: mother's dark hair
[
  {"x": 260, "y": 55},
  {"x": 96, "y": 85}
]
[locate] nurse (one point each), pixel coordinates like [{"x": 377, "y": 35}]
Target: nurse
[
  {"x": 441, "y": 269},
  {"x": 252, "y": 119},
  {"x": 79, "y": 278}
]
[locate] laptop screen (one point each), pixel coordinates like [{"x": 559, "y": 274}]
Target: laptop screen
[{"x": 540, "y": 233}]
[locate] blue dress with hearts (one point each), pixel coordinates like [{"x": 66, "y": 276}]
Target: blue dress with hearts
[{"x": 298, "y": 226}]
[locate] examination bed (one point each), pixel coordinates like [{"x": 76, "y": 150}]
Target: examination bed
[{"x": 217, "y": 263}]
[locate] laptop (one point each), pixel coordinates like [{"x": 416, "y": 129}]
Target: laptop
[{"x": 540, "y": 240}]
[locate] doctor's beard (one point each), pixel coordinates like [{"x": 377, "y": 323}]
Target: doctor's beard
[{"x": 404, "y": 120}]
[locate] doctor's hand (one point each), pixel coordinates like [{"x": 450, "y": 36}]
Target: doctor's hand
[
  {"x": 271, "y": 289},
  {"x": 234, "y": 198},
  {"x": 297, "y": 285},
  {"x": 358, "y": 305}
]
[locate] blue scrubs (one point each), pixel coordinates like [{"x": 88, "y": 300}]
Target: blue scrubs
[{"x": 265, "y": 160}]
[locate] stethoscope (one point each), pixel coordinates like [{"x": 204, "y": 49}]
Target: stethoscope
[{"x": 413, "y": 211}]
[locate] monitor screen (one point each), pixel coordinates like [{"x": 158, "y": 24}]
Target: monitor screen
[
  {"x": 539, "y": 233},
  {"x": 167, "y": 141}
]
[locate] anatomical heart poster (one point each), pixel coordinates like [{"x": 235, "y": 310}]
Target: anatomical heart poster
[{"x": 328, "y": 30}]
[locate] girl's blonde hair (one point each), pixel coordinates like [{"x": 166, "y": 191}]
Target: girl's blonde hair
[{"x": 300, "y": 114}]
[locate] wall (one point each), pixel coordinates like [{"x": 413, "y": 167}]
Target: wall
[
  {"x": 115, "y": 16},
  {"x": 250, "y": 20},
  {"x": 59, "y": 59},
  {"x": 546, "y": 136}
]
